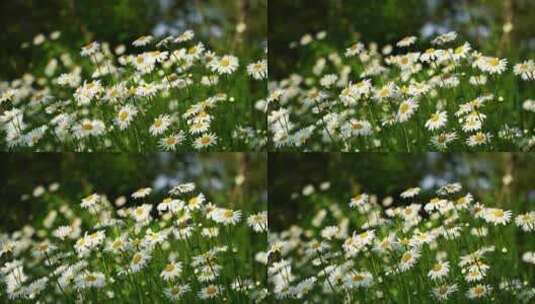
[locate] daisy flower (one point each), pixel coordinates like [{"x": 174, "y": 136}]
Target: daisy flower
[
  {"x": 90, "y": 280},
  {"x": 442, "y": 140},
  {"x": 304, "y": 287},
  {"x": 359, "y": 200},
  {"x": 143, "y": 192},
  {"x": 196, "y": 202},
  {"x": 439, "y": 270},
  {"x": 406, "y": 110},
  {"x": 492, "y": 65},
  {"x": 90, "y": 49},
  {"x": 355, "y": 49},
  {"x": 226, "y": 216},
  {"x": 210, "y": 292},
  {"x": 526, "y": 221},
  {"x": 227, "y": 64},
  {"x": 528, "y": 257},
  {"x": 206, "y": 140},
  {"x": 182, "y": 188},
  {"x": 160, "y": 125},
  {"x": 141, "y": 213},
  {"x": 258, "y": 70},
  {"x": 88, "y": 127},
  {"x": 87, "y": 92},
  {"x": 529, "y": 105},
  {"x": 142, "y": 41},
  {"x": 171, "y": 271},
  {"x": 90, "y": 201},
  {"x": 478, "y": 291},
  {"x": 185, "y": 36},
  {"x": 328, "y": 80},
  {"x": 407, "y": 41},
  {"x": 356, "y": 127},
  {"x": 259, "y": 221},
  {"x": 358, "y": 279},
  {"x": 497, "y": 216},
  {"x": 461, "y": 52},
  {"x": 437, "y": 121},
  {"x": 526, "y": 70},
  {"x": 408, "y": 259},
  {"x": 443, "y": 292},
  {"x": 176, "y": 292},
  {"x": 411, "y": 192},
  {"x": 62, "y": 232},
  {"x": 139, "y": 260},
  {"x": 478, "y": 139},
  {"x": 444, "y": 38},
  {"x": 169, "y": 143},
  {"x": 125, "y": 116}
]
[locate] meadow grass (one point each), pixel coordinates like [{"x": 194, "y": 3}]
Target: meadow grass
[
  {"x": 446, "y": 246},
  {"x": 156, "y": 94},
  {"x": 137, "y": 249},
  {"x": 438, "y": 95}
]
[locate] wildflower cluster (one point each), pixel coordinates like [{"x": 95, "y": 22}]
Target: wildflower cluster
[
  {"x": 167, "y": 94},
  {"x": 446, "y": 97},
  {"x": 446, "y": 248},
  {"x": 182, "y": 249}
]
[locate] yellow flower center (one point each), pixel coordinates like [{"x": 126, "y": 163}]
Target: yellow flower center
[
  {"x": 356, "y": 125},
  {"x": 357, "y": 277},
  {"x": 225, "y": 62},
  {"x": 87, "y": 126},
  {"x": 169, "y": 267},
  {"x": 136, "y": 259},
  {"x": 406, "y": 257},
  {"x": 404, "y": 108},
  {"x": 123, "y": 115},
  {"x": 90, "y": 278},
  {"x": 228, "y": 213},
  {"x": 498, "y": 213},
  {"x": 494, "y": 62},
  {"x": 211, "y": 290},
  {"x": 171, "y": 141}
]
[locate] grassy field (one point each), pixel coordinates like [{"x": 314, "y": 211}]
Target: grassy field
[
  {"x": 440, "y": 94},
  {"x": 145, "y": 247},
  {"x": 172, "y": 93},
  {"x": 440, "y": 245}
]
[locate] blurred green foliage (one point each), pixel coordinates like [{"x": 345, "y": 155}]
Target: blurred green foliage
[
  {"x": 121, "y": 22},
  {"x": 389, "y": 174},
  {"x": 117, "y": 174},
  {"x": 387, "y": 21}
]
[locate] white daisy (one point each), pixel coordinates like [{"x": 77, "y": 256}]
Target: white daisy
[
  {"x": 226, "y": 216},
  {"x": 258, "y": 70},
  {"x": 437, "y": 121},
  {"x": 439, "y": 270},
  {"x": 206, "y": 140},
  {"x": 227, "y": 64},
  {"x": 160, "y": 125},
  {"x": 171, "y": 271},
  {"x": 125, "y": 116}
]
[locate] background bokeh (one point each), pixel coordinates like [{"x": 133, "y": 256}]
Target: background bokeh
[
  {"x": 114, "y": 174},
  {"x": 389, "y": 174},
  {"x": 122, "y": 21},
  {"x": 481, "y": 22}
]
